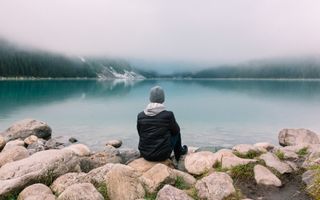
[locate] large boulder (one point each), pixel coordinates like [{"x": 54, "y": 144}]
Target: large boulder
[
  {"x": 2, "y": 142},
  {"x": 264, "y": 176},
  {"x": 188, "y": 179},
  {"x": 97, "y": 176},
  {"x": 143, "y": 165},
  {"x": 36, "y": 192},
  {"x": 199, "y": 162},
  {"x": 40, "y": 167},
  {"x": 297, "y": 136},
  {"x": 169, "y": 192},
  {"x": 13, "y": 143},
  {"x": 13, "y": 154},
  {"x": 24, "y": 128},
  {"x": 273, "y": 161},
  {"x": 314, "y": 156},
  {"x": 216, "y": 186},
  {"x": 66, "y": 180},
  {"x": 81, "y": 191},
  {"x": 158, "y": 175},
  {"x": 123, "y": 183}
]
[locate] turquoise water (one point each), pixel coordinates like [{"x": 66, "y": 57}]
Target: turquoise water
[{"x": 210, "y": 112}]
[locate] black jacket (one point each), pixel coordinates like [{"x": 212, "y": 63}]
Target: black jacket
[{"x": 155, "y": 134}]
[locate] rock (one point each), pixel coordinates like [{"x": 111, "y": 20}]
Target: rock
[
  {"x": 36, "y": 146},
  {"x": 122, "y": 183},
  {"x": 187, "y": 178},
  {"x": 114, "y": 143},
  {"x": 2, "y": 142},
  {"x": 24, "y": 128},
  {"x": 66, "y": 180},
  {"x": 97, "y": 160},
  {"x": 229, "y": 162},
  {"x": 158, "y": 175},
  {"x": 169, "y": 192},
  {"x": 36, "y": 168},
  {"x": 264, "y": 176},
  {"x": 31, "y": 139},
  {"x": 13, "y": 154},
  {"x": 297, "y": 136},
  {"x": 143, "y": 165},
  {"x": 216, "y": 186},
  {"x": 199, "y": 162},
  {"x": 288, "y": 154},
  {"x": 313, "y": 158},
  {"x": 264, "y": 145},
  {"x": 81, "y": 191},
  {"x": 79, "y": 149},
  {"x": 292, "y": 165},
  {"x": 14, "y": 143},
  {"x": 274, "y": 162},
  {"x": 36, "y": 192},
  {"x": 244, "y": 148},
  {"x": 55, "y": 143},
  {"x": 309, "y": 176},
  {"x": 96, "y": 176},
  {"x": 73, "y": 140},
  {"x": 128, "y": 155}
]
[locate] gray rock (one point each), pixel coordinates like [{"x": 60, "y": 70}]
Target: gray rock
[
  {"x": 264, "y": 176},
  {"x": 66, "y": 180},
  {"x": 81, "y": 191},
  {"x": 199, "y": 162},
  {"x": 13, "y": 154},
  {"x": 128, "y": 155},
  {"x": 216, "y": 186},
  {"x": 36, "y": 146},
  {"x": 274, "y": 162},
  {"x": 98, "y": 159},
  {"x": 297, "y": 136},
  {"x": 36, "y": 168},
  {"x": 158, "y": 175},
  {"x": 308, "y": 177},
  {"x": 169, "y": 192},
  {"x": 24, "y": 128},
  {"x": 73, "y": 140},
  {"x": 142, "y": 165},
  {"x": 36, "y": 192},
  {"x": 114, "y": 143},
  {"x": 123, "y": 183}
]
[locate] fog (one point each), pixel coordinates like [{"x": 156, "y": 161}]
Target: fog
[{"x": 209, "y": 31}]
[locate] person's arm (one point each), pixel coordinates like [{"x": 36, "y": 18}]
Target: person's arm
[
  {"x": 174, "y": 127},
  {"x": 138, "y": 125}
]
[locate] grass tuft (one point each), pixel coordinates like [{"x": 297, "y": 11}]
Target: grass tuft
[
  {"x": 314, "y": 188},
  {"x": 250, "y": 155},
  {"x": 181, "y": 184},
  {"x": 279, "y": 154},
  {"x": 303, "y": 151},
  {"x": 243, "y": 172},
  {"x": 192, "y": 192},
  {"x": 102, "y": 188},
  {"x": 150, "y": 196}
]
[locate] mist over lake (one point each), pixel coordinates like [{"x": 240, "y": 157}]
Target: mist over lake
[{"x": 209, "y": 112}]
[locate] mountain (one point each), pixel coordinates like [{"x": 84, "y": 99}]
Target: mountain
[
  {"x": 288, "y": 68},
  {"x": 23, "y": 62}
]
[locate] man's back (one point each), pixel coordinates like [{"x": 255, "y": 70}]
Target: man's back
[{"x": 155, "y": 135}]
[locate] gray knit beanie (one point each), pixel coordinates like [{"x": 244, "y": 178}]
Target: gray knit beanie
[{"x": 156, "y": 95}]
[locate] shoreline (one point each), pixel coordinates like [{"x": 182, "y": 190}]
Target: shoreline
[{"x": 246, "y": 171}]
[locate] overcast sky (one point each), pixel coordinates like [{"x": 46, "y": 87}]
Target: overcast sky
[{"x": 178, "y": 30}]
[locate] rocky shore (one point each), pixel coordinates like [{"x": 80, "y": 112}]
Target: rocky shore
[{"x": 34, "y": 165}]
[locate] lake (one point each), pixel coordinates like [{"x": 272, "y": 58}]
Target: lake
[{"x": 210, "y": 112}]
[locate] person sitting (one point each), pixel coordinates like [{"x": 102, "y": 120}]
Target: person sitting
[{"x": 159, "y": 133}]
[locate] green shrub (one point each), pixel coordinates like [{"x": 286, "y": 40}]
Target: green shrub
[
  {"x": 250, "y": 154},
  {"x": 181, "y": 184},
  {"x": 244, "y": 172},
  {"x": 150, "y": 196},
  {"x": 279, "y": 154},
  {"x": 102, "y": 188},
  {"x": 303, "y": 151},
  {"x": 314, "y": 188}
]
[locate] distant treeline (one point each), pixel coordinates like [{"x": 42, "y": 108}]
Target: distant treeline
[
  {"x": 22, "y": 62},
  {"x": 306, "y": 68}
]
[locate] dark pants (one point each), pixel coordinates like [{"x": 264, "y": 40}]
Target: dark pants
[{"x": 176, "y": 145}]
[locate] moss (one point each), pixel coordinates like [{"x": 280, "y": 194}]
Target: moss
[
  {"x": 12, "y": 196},
  {"x": 302, "y": 152},
  {"x": 102, "y": 188},
  {"x": 181, "y": 184},
  {"x": 249, "y": 155},
  {"x": 218, "y": 167},
  {"x": 192, "y": 192},
  {"x": 150, "y": 196},
  {"x": 243, "y": 172},
  {"x": 279, "y": 154}
]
